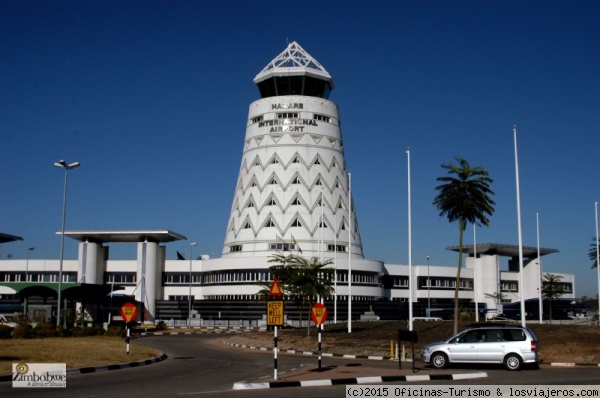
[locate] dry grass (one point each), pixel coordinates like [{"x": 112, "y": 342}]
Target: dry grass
[{"x": 76, "y": 352}]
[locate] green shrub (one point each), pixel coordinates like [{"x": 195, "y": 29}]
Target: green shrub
[
  {"x": 22, "y": 332},
  {"x": 42, "y": 330},
  {"x": 115, "y": 331},
  {"x": 5, "y": 332},
  {"x": 61, "y": 331},
  {"x": 84, "y": 332}
]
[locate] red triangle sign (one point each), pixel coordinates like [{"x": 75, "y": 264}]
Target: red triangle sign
[{"x": 275, "y": 289}]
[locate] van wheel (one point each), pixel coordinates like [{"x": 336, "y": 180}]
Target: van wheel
[
  {"x": 439, "y": 360},
  {"x": 513, "y": 362}
]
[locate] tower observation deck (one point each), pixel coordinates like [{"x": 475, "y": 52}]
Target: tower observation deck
[{"x": 292, "y": 192}]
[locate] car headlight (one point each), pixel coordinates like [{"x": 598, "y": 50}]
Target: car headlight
[{"x": 425, "y": 350}]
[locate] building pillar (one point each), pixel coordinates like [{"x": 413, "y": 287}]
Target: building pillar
[
  {"x": 150, "y": 267},
  {"x": 92, "y": 263}
]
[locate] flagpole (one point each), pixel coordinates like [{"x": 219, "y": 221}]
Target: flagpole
[
  {"x": 410, "y": 293},
  {"x": 322, "y": 233},
  {"x": 521, "y": 285},
  {"x": 541, "y": 303},
  {"x": 475, "y": 274},
  {"x": 597, "y": 259},
  {"x": 350, "y": 254},
  {"x": 335, "y": 267}
]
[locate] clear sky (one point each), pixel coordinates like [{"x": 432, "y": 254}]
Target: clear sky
[{"x": 151, "y": 97}]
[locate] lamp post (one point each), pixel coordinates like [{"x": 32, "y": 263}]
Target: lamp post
[
  {"x": 27, "y": 264},
  {"x": 26, "y": 279},
  {"x": 428, "y": 291},
  {"x": 190, "y": 296},
  {"x": 67, "y": 166}
]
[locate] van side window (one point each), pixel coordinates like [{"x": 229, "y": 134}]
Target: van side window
[
  {"x": 470, "y": 337},
  {"x": 517, "y": 335},
  {"x": 495, "y": 335}
]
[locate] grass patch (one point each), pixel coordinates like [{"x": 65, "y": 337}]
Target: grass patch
[{"x": 75, "y": 352}]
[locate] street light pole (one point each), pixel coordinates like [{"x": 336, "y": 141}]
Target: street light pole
[
  {"x": 67, "y": 166},
  {"x": 190, "y": 296},
  {"x": 27, "y": 264},
  {"x": 428, "y": 291}
]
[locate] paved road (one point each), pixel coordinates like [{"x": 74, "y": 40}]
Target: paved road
[{"x": 200, "y": 365}]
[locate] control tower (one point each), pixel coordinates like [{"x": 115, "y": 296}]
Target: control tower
[{"x": 293, "y": 190}]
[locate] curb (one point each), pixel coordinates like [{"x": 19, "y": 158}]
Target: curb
[
  {"x": 572, "y": 364},
  {"x": 355, "y": 380},
  {"x": 105, "y": 367},
  {"x": 199, "y": 331},
  {"x": 349, "y": 356},
  {"x": 378, "y": 357}
]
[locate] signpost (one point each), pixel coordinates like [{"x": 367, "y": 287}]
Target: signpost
[
  {"x": 318, "y": 314},
  {"x": 275, "y": 317},
  {"x": 128, "y": 313}
]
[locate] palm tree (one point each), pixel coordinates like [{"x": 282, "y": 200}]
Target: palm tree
[
  {"x": 592, "y": 253},
  {"x": 552, "y": 289},
  {"x": 464, "y": 196},
  {"x": 302, "y": 278}
]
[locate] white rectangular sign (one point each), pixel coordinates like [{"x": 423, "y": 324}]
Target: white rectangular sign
[{"x": 39, "y": 375}]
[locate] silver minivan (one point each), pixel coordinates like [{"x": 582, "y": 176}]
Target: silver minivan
[{"x": 511, "y": 345}]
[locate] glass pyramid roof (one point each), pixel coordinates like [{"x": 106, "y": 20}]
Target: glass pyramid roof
[{"x": 294, "y": 61}]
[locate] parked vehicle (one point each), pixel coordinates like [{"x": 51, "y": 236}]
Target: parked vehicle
[
  {"x": 10, "y": 320},
  {"x": 510, "y": 345}
]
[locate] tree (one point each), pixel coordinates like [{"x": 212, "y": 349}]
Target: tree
[
  {"x": 552, "y": 289},
  {"x": 592, "y": 253},
  {"x": 303, "y": 279},
  {"x": 464, "y": 196}
]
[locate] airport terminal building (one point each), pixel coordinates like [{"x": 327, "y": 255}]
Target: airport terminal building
[{"x": 292, "y": 196}]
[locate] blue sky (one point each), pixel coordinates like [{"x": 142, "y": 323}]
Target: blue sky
[{"x": 152, "y": 98}]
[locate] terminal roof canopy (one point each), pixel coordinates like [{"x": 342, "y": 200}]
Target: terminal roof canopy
[
  {"x": 294, "y": 72},
  {"x": 5, "y": 238},
  {"x": 158, "y": 236},
  {"x": 503, "y": 250}
]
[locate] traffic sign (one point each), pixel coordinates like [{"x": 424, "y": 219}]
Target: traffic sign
[
  {"x": 275, "y": 289},
  {"x": 128, "y": 312},
  {"x": 318, "y": 313},
  {"x": 275, "y": 313}
]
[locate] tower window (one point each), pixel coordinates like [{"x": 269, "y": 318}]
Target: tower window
[
  {"x": 322, "y": 118},
  {"x": 269, "y": 223},
  {"x": 296, "y": 223},
  {"x": 296, "y": 160},
  {"x": 296, "y": 181},
  {"x": 297, "y": 202},
  {"x": 271, "y": 202},
  {"x": 287, "y": 115},
  {"x": 235, "y": 248},
  {"x": 257, "y": 119},
  {"x": 339, "y": 248}
]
